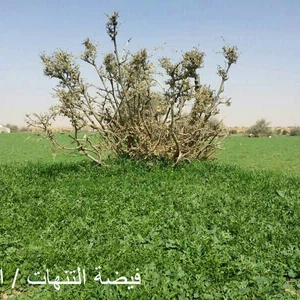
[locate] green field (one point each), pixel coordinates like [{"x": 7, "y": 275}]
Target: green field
[
  {"x": 227, "y": 229},
  {"x": 280, "y": 154},
  {"x": 32, "y": 147}
]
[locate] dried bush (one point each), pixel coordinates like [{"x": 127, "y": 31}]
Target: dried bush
[{"x": 132, "y": 112}]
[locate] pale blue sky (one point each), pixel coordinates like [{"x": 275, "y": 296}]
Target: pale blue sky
[{"x": 264, "y": 83}]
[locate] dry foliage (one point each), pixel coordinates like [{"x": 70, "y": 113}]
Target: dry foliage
[{"x": 128, "y": 111}]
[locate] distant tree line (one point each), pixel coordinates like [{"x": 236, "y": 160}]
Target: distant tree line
[
  {"x": 295, "y": 131},
  {"x": 14, "y": 128},
  {"x": 262, "y": 129}
]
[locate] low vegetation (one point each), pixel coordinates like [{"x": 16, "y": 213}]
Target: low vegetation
[
  {"x": 199, "y": 231},
  {"x": 196, "y": 231},
  {"x": 280, "y": 154}
]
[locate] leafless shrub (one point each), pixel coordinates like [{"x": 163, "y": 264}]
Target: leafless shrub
[{"x": 126, "y": 110}]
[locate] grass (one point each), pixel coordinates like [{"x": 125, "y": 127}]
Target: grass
[
  {"x": 200, "y": 231},
  {"x": 32, "y": 147},
  {"x": 280, "y": 154}
]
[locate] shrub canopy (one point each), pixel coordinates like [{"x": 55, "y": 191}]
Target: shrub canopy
[{"x": 131, "y": 110}]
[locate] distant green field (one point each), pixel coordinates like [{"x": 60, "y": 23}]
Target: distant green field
[
  {"x": 202, "y": 230},
  {"x": 280, "y": 153},
  {"x": 33, "y": 147}
]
